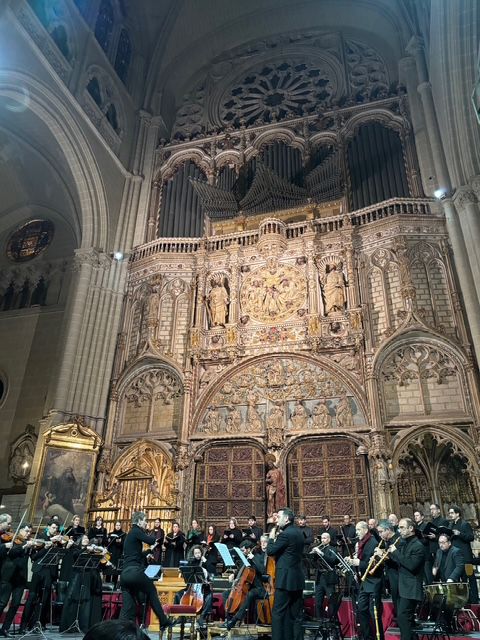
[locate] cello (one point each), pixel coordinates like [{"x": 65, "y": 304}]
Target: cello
[
  {"x": 193, "y": 597},
  {"x": 240, "y": 588}
]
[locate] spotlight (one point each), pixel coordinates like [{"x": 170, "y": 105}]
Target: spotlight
[
  {"x": 440, "y": 194},
  {"x": 118, "y": 255}
]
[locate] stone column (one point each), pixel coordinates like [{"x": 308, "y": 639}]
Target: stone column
[
  {"x": 417, "y": 49},
  {"x": 84, "y": 264},
  {"x": 466, "y": 204},
  {"x": 464, "y": 272}
]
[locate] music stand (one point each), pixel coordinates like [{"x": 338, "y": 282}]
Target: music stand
[
  {"x": 51, "y": 559},
  {"x": 85, "y": 561},
  {"x": 192, "y": 574},
  {"x": 225, "y": 554}
]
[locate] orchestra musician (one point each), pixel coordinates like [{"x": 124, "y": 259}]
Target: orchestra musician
[
  {"x": 347, "y": 537},
  {"x": 13, "y": 574},
  {"x": 75, "y": 532},
  {"x": 388, "y": 537},
  {"x": 437, "y": 520},
  {"x": 326, "y": 583},
  {"x": 449, "y": 565},
  {"x": 287, "y": 549},
  {"x": 84, "y": 593},
  {"x": 197, "y": 559},
  {"x": 258, "y": 560},
  {"x": 410, "y": 557},
  {"x": 462, "y": 538},
  {"x": 420, "y": 526},
  {"x": 43, "y": 577},
  {"x": 369, "y": 603},
  {"x": 174, "y": 546},
  {"x": 133, "y": 580}
]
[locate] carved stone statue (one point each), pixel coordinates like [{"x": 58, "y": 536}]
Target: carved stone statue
[
  {"x": 299, "y": 417},
  {"x": 254, "y": 422},
  {"x": 344, "y": 413},
  {"x": 276, "y": 427},
  {"x": 334, "y": 290},
  {"x": 321, "y": 418},
  {"x": 275, "y": 486},
  {"x": 218, "y": 304}
]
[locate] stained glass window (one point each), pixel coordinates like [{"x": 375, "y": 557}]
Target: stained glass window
[
  {"x": 123, "y": 57},
  {"x": 104, "y": 24},
  {"x": 30, "y": 240}
]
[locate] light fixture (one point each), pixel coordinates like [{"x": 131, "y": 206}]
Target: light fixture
[
  {"x": 118, "y": 255},
  {"x": 440, "y": 194}
]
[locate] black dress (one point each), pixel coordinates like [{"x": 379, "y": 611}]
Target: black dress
[
  {"x": 83, "y": 599},
  {"x": 174, "y": 551}
]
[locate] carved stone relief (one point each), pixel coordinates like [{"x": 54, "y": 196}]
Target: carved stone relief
[
  {"x": 273, "y": 294},
  {"x": 421, "y": 379},
  {"x": 22, "y": 451},
  {"x": 282, "y": 395}
]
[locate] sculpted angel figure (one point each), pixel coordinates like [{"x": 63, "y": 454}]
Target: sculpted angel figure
[
  {"x": 344, "y": 413},
  {"x": 321, "y": 418}
]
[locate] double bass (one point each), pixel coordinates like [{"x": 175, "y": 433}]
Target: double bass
[{"x": 264, "y": 607}]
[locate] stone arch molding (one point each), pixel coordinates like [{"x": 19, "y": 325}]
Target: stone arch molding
[
  {"x": 277, "y": 397},
  {"x": 149, "y": 400},
  {"x": 25, "y": 92},
  {"x": 142, "y": 476},
  {"x": 461, "y": 444},
  {"x": 422, "y": 375}
]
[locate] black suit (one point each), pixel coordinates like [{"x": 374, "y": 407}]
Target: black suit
[
  {"x": 134, "y": 582},
  {"x": 410, "y": 557},
  {"x": 433, "y": 548},
  {"x": 463, "y": 542},
  {"x": 450, "y": 564},
  {"x": 287, "y": 550},
  {"x": 370, "y": 594},
  {"x": 326, "y": 581}
]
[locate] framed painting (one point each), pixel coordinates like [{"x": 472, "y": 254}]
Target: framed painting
[{"x": 64, "y": 484}]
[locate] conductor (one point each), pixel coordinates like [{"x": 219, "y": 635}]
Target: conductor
[
  {"x": 133, "y": 580},
  {"x": 286, "y": 544}
]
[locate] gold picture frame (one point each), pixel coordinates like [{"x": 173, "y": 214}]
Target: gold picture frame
[{"x": 66, "y": 474}]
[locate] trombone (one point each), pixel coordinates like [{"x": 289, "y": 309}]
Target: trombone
[{"x": 318, "y": 551}]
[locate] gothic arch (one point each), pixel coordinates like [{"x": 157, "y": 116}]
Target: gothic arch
[
  {"x": 141, "y": 478},
  {"x": 199, "y": 158},
  {"x": 422, "y": 374},
  {"x": 26, "y": 90},
  {"x": 382, "y": 116},
  {"x": 278, "y": 135},
  {"x": 150, "y": 400},
  {"x": 436, "y": 463},
  {"x": 342, "y": 385}
]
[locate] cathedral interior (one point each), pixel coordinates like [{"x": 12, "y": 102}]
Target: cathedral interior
[{"x": 237, "y": 237}]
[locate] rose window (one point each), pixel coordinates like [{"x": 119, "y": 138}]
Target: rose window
[{"x": 277, "y": 91}]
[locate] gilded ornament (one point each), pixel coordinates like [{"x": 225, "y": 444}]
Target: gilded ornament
[{"x": 273, "y": 295}]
